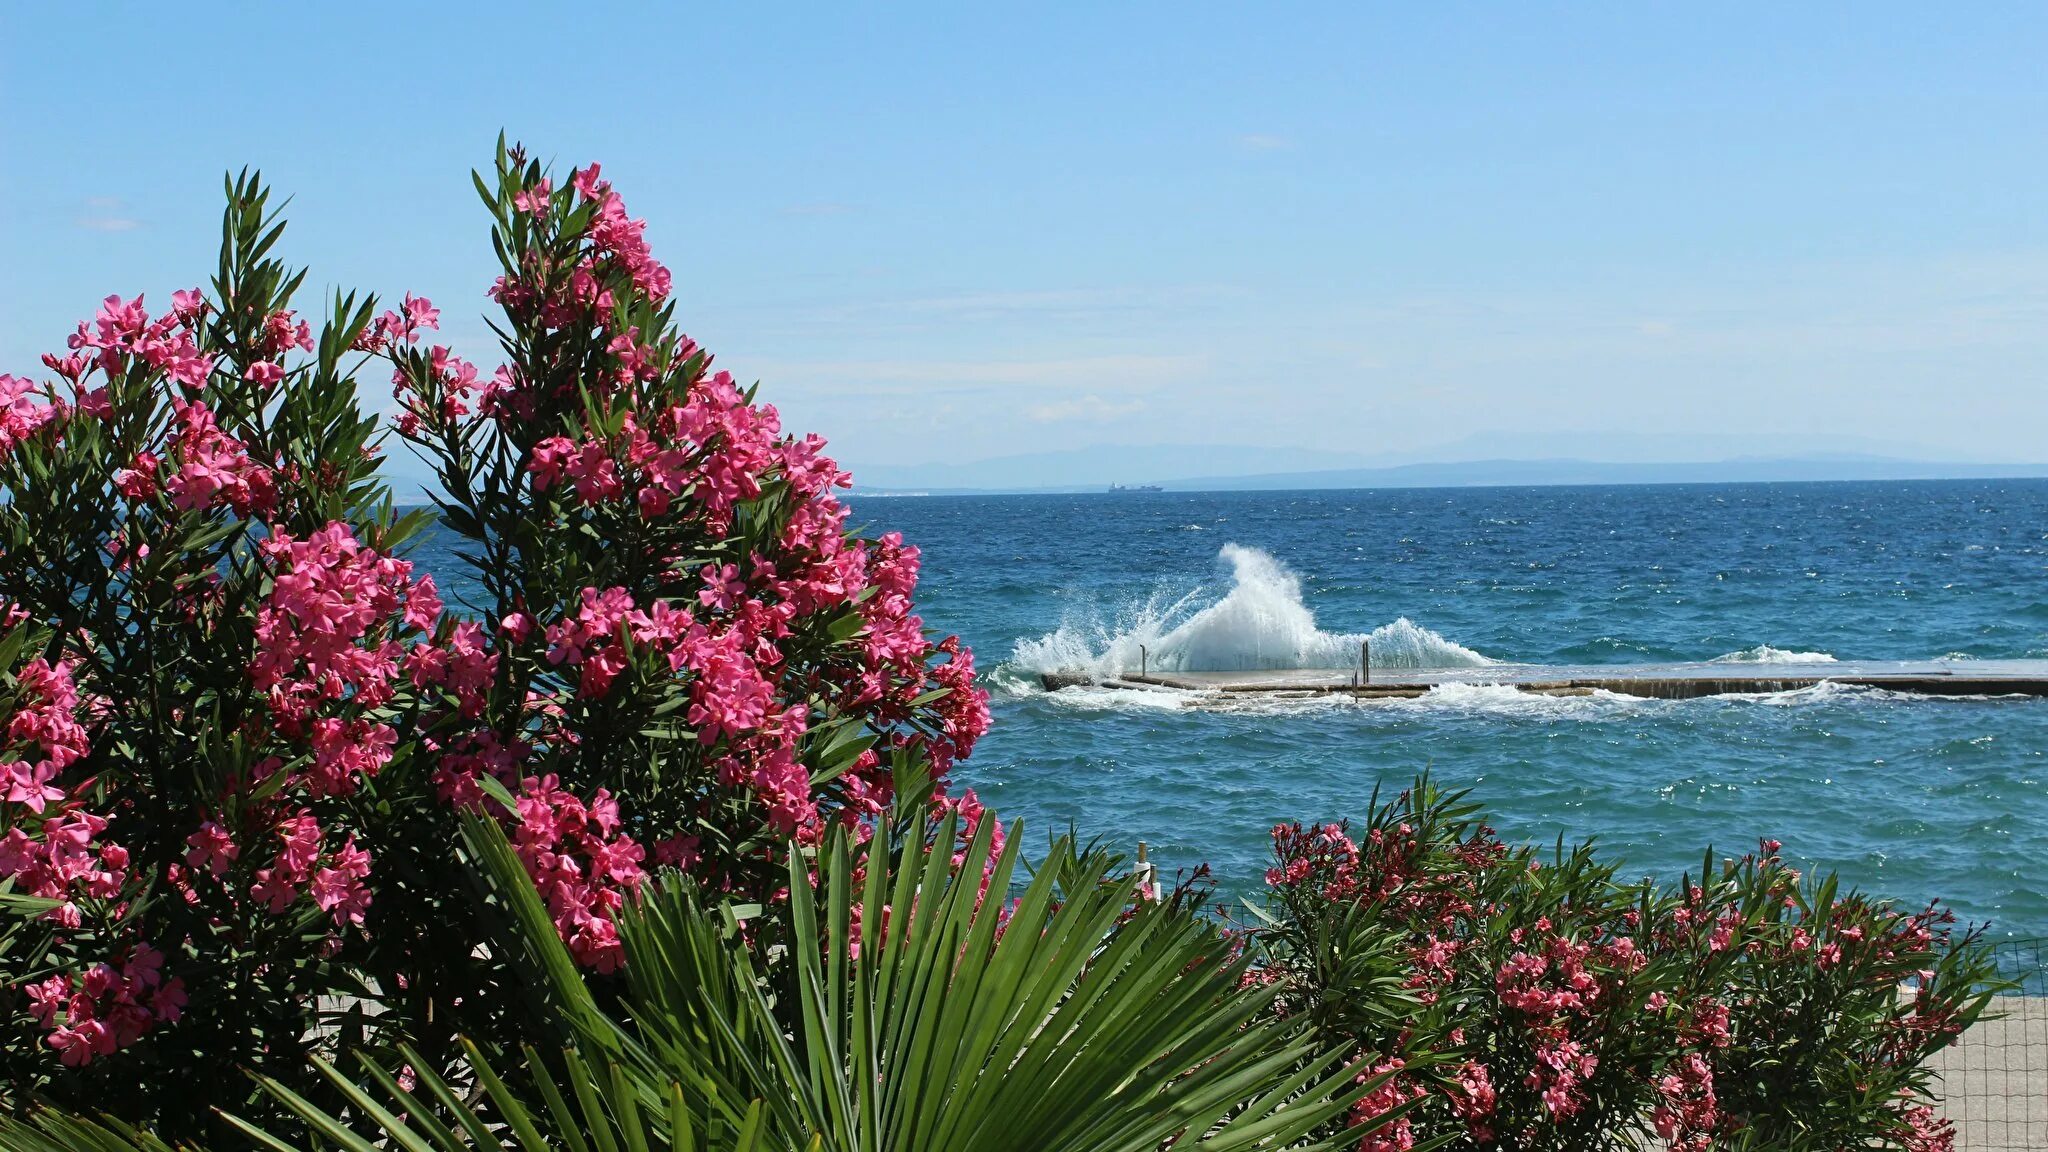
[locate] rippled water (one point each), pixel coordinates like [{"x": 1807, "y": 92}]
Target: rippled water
[{"x": 1911, "y": 797}]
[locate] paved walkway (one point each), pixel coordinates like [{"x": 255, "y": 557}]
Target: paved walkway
[{"x": 1995, "y": 1080}]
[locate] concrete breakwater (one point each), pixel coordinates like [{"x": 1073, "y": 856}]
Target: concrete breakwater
[{"x": 1965, "y": 679}]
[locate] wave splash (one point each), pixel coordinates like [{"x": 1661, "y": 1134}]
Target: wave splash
[
  {"x": 1259, "y": 623},
  {"x": 1765, "y": 654}
]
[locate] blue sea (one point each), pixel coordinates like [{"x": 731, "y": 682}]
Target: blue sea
[{"x": 1910, "y": 797}]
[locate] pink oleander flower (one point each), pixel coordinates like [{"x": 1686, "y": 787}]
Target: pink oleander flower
[
  {"x": 21, "y": 414},
  {"x": 345, "y": 753},
  {"x": 212, "y": 849},
  {"x": 325, "y": 631},
  {"x": 214, "y": 469},
  {"x": 189, "y": 305},
  {"x": 338, "y": 889},
  {"x": 533, "y": 201}
]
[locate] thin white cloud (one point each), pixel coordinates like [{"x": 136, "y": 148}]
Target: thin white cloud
[
  {"x": 1046, "y": 305},
  {"x": 1111, "y": 373},
  {"x": 1264, "y": 142},
  {"x": 1091, "y": 408},
  {"x": 104, "y": 214}
]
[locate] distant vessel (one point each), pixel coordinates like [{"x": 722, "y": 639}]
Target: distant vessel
[{"x": 1136, "y": 488}]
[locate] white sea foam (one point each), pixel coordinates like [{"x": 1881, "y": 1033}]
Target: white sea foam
[
  {"x": 1484, "y": 701},
  {"x": 1456, "y": 698},
  {"x": 1825, "y": 692},
  {"x": 1096, "y": 698},
  {"x": 1260, "y": 622},
  {"x": 1765, "y": 654},
  {"x": 1506, "y": 700}
]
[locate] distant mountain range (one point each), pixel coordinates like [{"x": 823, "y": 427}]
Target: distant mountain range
[
  {"x": 1511, "y": 473},
  {"x": 1225, "y": 469}
]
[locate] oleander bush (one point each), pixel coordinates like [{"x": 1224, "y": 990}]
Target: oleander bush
[
  {"x": 1836, "y": 1006},
  {"x": 243, "y": 726},
  {"x": 205, "y": 623},
  {"x": 1562, "y": 1008}
]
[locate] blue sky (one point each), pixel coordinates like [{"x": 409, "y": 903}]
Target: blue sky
[{"x": 950, "y": 233}]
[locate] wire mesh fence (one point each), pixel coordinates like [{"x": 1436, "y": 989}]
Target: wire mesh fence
[{"x": 1994, "y": 1080}]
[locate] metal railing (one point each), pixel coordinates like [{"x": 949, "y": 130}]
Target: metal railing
[{"x": 1994, "y": 1081}]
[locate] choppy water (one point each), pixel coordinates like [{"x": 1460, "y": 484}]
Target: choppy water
[
  {"x": 1911, "y": 797},
  {"x": 1908, "y": 796}
]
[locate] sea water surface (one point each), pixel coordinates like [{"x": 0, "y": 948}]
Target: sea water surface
[{"x": 1910, "y": 797}]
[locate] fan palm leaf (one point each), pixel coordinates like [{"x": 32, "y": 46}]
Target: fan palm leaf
[{"x": 915, "y": 1009}]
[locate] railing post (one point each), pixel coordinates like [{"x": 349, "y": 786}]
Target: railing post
[
  {"x": 1146, "y": 875},
  {"x": 1365, "y": 661},
  {"x": 1141, "y": 667}
]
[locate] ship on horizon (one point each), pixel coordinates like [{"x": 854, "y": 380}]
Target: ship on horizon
[{"x": 1114, "y": 488}]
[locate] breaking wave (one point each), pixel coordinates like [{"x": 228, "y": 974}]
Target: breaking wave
[
  {"x": 1260, "y": 622},
  {"x": 1765, "y": 654}
]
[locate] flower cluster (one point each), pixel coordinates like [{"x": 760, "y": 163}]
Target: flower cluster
[
  {"x": 336, "y": 881},
  {"x": 66, "y": 863},
  {"x": 120, "y": 339},
  {"x": 214, "y": 469},
  {"x": 582, "y": 865},
  {"x": 44, "y": 736},
  {"x": 461, "y": 662},
  {"x": 21, "y": 413},
  {"x": 1686, "y": 1113},
  {"x": 52, "y": 848},
  {"x": 108, "y": 1007},
  {"x": 401, "y": 325},
  {"x": 616, "y": 251},
  {"x": 323, "y": 632},
  {"x": 122, "y": 333},
  {"x": 1397, "y": 1089}
]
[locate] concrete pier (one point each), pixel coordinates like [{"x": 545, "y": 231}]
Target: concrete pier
[{"x": 1974, "y": 679}]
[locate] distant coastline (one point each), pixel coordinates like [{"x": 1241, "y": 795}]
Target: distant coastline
[{"x": 1517, "y": 474}]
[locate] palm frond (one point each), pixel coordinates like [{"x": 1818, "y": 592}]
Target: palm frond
[
  {"x": 915, "y": 1009},
  {"x": 50, "y": 1130}
]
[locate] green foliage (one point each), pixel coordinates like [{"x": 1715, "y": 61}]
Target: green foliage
[
  {"x": 1569, "y": 1010},
  {"x": 1070, "y": 1019},
  {"x": 151, "y": 603},
  {"x": 51, "y": 1130},
  {"x": 239, "y": 853},
  {"x": 1838, "y": 1005}
]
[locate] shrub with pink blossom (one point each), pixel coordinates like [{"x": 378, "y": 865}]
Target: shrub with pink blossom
[
  {"x": 1531, "y": 1000},
  {"x": 241, "y": 725},
  {"x": 1835, "y": 1007},
  {"x": 682, "y": 654},
  {"x": 198, "y": 567}
]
